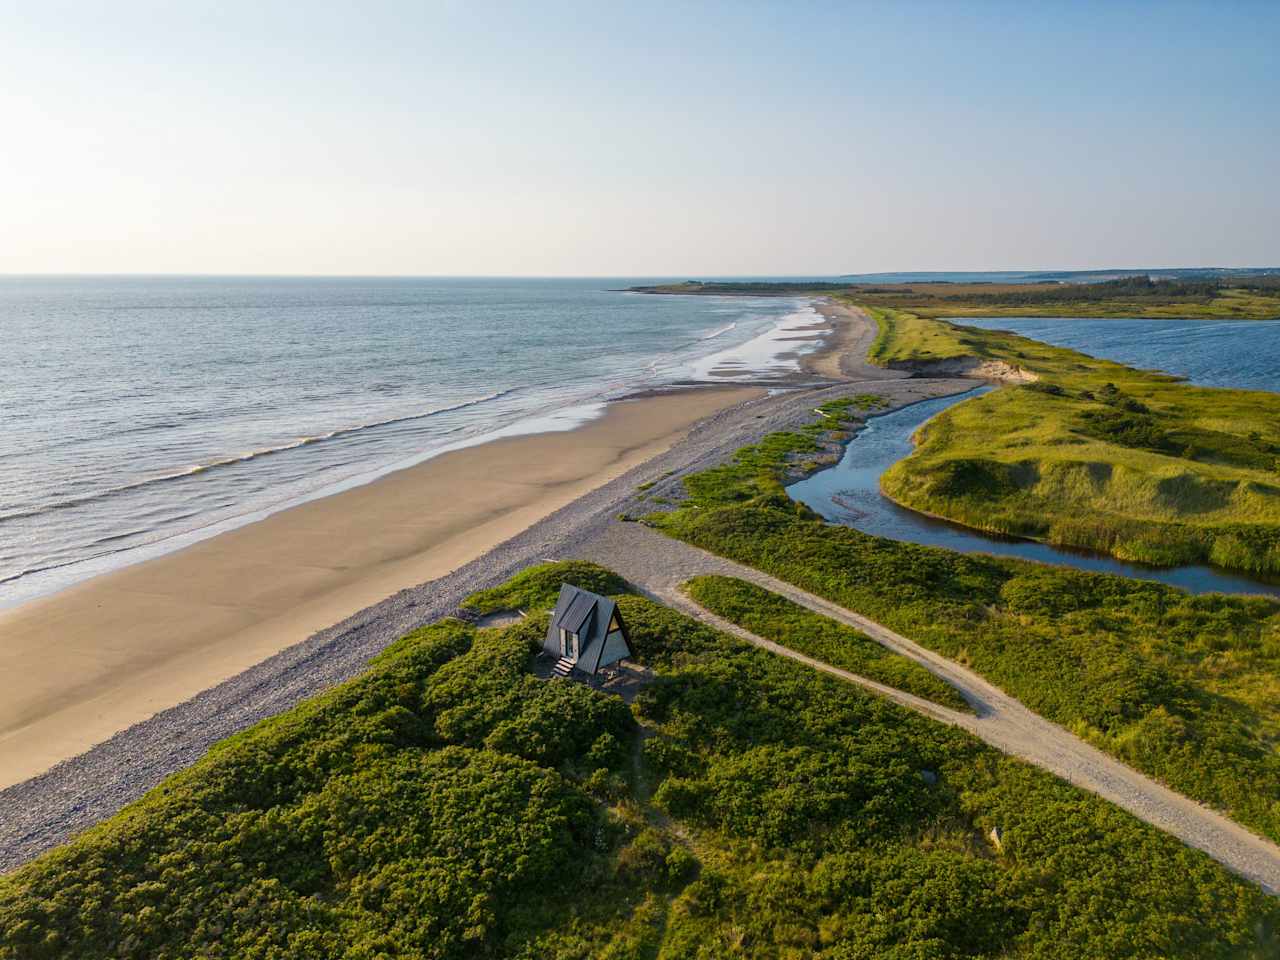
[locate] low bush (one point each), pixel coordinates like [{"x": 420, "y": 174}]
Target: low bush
[
  {"x": 446, "y": 804},
  {"x": 536, "y": 588},
  {"x": 778, "y": 619}
]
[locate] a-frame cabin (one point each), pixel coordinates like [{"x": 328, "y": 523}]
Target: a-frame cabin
[{"x": 586, "y": 633}]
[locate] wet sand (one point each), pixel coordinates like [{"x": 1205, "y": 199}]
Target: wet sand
[
  {"x": 86, "y": 663},
  {"x": 830, "y": 361},
  {"x": 844, "y": 355}
]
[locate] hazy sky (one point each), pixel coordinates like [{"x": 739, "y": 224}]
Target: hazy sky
[{"x": 640, "y": 139}]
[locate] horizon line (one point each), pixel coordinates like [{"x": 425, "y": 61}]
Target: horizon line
[{"x": 609, "y": 276}]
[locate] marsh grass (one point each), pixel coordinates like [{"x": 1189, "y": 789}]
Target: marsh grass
[
  {"x": 1185, "y": 688},
  {"x": 1172, "y": 301},
  {"x": 1093, "y": 454},
  {"x": 1254, "y": 298}
]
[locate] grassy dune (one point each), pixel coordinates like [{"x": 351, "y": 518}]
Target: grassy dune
[
  {"x": 1055, "y": 300},
  {"x": 1185, "y": 688},
  {"x": 447, "y": 804},
  {"x": 1093, "y": 454}
]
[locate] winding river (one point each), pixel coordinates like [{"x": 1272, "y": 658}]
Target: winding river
[{"x": 1244, "y": 354}]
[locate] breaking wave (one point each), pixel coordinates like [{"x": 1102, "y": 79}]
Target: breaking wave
[{"x": 200, "y": 468}]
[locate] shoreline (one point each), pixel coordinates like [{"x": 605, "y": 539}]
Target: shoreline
[
  {"x": 21, "y": 589},
  {"x": 124, "y": 686},
  {"x": 91, "y": 568},
  {"x": 48, "y": 809},
  {"x": 854, "y": 331},
  {"x": 92, "y": 660}
]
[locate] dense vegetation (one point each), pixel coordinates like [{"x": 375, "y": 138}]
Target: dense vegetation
[
  {"x": 1094, "y": 454},
  {"x": 406, "y": 813},
  {"x": 448, "y": 804},
  {"x": 1126, "y": 288},
  {"x": 1119, "y": 298},
  {"x": 1185, "y": 688},
  {"x": 751, "y": 288},
  {"x": 778, "y": 619},
  {"x": 1267, "y": 282}
]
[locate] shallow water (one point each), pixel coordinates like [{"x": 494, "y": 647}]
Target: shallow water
[
  {"x": 1235, "y": 354},
  {"x": 138, "y": 412}
]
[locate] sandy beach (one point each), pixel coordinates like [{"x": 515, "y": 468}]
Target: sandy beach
[
  {"x": 355, "y": 580},
  {"x": 844, "y": 354},
  {"x": 86, "y": 663}
]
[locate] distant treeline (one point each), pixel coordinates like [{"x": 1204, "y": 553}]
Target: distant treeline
[
  {"x": 762, "y": 288},
  {"x": 1268, "y": 281},
  {"x": 1126, "y": 288}
]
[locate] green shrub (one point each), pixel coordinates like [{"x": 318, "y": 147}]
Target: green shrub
[
  {"x": 778, "y": 619},
  {"x": 446, "y": 804},
  {"x": 334, "y": 828},
  {"x": 536, "y": 588}
]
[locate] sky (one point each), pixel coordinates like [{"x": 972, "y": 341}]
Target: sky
[{"x": 637, "y": 139}]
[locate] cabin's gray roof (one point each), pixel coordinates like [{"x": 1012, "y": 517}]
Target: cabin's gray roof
[
  {"x": 574, "y": 612},
  {"x": 578, "y": 611},
  {"x": 594, "y": 641},
  {"x": 567, "y": 595}
]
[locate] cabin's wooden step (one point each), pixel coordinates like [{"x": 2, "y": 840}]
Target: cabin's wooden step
[{"x": 563, "y": 667}]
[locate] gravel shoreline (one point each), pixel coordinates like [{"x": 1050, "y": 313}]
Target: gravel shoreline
[{"x": 44, "y": 811}]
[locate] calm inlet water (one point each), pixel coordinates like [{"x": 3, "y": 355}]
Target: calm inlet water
[
  {"x": 137, "y": 414},
  {"x": 1231, "y": 353},
  {"x": 1235, "y": 354}
]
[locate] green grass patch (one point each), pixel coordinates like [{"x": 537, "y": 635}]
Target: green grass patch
[
  {"x": 537, "y": 587},
  {"x": 447, "y": 804},
  {"x": 776, "y": 618},
  {"x": 754, "y": 470},
  {"x": 1135, "y": 297},
  {"x": 1094, "y": 454},
  {"x": 903, "y": 337}
]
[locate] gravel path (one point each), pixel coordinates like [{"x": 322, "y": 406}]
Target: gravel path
[
  {"x": 46, "y": 810},
  {"x": 658, "y": 565}
]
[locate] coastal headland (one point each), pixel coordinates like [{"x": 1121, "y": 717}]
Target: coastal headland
[{"x": 709, "y": 454}]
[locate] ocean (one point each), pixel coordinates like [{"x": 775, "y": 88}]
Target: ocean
[{"x": 139, "y": 414}]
